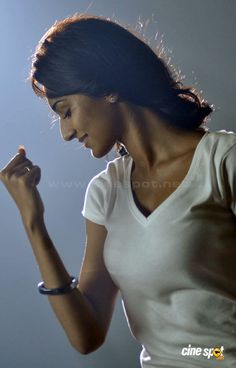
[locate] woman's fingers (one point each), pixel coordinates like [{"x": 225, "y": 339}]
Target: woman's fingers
[
  {"x": 30, "y": 174},
  {"x": 21, "y": 150},
  {"x": 13, "y": 163},
  {"x": 36, "y": 174},
  {"x": 22, "y": 168},
  {"x": 20, "y": 178}
]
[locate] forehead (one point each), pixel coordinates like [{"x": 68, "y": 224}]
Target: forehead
[
  {"x": 63, "y": 99},
  {"x": 73, "y": 99},
  {"x": 69, "y": 98},
  {"x": 52, "y": 101}
]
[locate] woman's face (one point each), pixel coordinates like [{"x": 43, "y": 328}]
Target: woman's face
[{"x": 98, "y": 118}]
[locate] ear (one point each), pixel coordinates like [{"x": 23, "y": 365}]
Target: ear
[{"x": 112, "y": 98}]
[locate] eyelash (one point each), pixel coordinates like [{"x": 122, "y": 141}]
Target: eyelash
[{"x": 67, "y": 114}]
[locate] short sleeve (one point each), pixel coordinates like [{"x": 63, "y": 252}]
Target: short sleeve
[
  {"x": 94, "y": 201},
  {"x": 229, "y": 175}
]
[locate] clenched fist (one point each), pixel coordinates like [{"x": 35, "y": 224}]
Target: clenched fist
[{"x": 21, "y": 177}]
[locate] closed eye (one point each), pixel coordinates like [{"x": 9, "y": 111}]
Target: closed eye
[{"x": 67, "y": 114}]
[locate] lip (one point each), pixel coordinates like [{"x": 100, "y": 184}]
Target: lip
[
  {"x": 85, "y": 141},
  {"x": 83, "y": 138}
]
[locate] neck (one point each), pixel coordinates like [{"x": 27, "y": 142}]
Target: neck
[{"x": 151, "y": 141}]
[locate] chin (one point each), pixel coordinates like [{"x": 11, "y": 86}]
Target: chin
[
  {"x": 97, "y": 154},
  {"x": 100, "y": 153}
]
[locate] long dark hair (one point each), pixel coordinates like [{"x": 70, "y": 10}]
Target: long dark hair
[{"x": 95, "y": 56}]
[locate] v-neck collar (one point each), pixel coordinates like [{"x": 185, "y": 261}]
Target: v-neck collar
[{"x": 136, "y": 211}]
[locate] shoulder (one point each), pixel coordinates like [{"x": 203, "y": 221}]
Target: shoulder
[
  {"x": 114, "y": 172},
  {"x": 223, "y": 163},
  {"x": 218, "y": 144},
  {"x": 228, "y": 147},
  {"x": 223, "y": 140}
]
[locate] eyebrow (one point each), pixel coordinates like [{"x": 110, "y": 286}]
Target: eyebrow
[{"x": 54, "y": 105}]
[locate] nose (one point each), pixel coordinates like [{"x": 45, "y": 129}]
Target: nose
[
  {"x": 67, "y": 132},
  {"x": 69, "y": 136}
]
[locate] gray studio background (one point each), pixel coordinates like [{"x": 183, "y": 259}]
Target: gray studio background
[{"x": 200, "y": 39}]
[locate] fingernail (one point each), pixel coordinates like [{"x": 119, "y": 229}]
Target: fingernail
[{"x": 21, "y": 149}]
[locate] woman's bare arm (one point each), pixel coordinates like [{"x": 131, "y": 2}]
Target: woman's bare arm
[
  {"x": 84, "y": 313},
  {"x": 95, "y": 281}
]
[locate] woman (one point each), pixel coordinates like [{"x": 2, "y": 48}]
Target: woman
[{"x": 160, "y": 219}]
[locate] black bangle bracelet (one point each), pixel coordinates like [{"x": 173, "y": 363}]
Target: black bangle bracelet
[{"x": 58, "y": 291}]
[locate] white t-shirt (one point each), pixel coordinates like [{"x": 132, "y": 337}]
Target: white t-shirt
[{"x": 176, "y": 268}]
